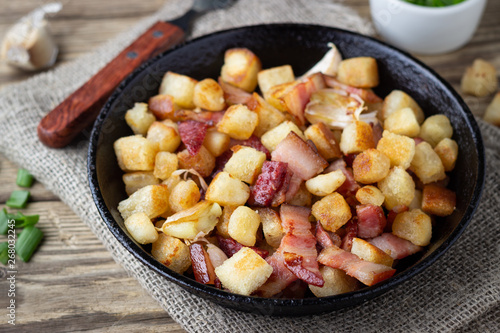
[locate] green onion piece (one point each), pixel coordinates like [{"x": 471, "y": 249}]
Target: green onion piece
[
  {"x": 4, "y": 218},
  {"x": 4, "y": 255},
  {"x": 18, "y": 199},
  {"x": 24, "y": 178},
  {"x": 27, "y": 242},
  {"x": 23, "y": 221}
]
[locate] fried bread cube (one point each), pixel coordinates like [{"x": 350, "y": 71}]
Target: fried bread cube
[
  {"x": 227, "y": 190},
  {"x": 165, "y": 164},
  {"x": 209, "y": 95},
  {"x": 180, "y": 87},
  {"x": 325, "y": 184},
  {"x": 403, "y": 122},
  {"x": 216, "y": 142},
  {"x": 436, "y": 128},
  {"x": 437, "y": 200},
  {"x": 243, "y": 225},
  {"x": 359, "y": 72},
  {"x": 447, "y": 150},
  {"x": 244, "y": 272},
  {"x": 480, "y": 79},
  {"x": 139, "y": 118},
  {"x": 141, "y": 228},
  {"x": 136, "y": 180},
  {"x": 165, "y": 137},
  {"x": 271, "y": 77},
  {"x": 245, "y": 164},
  {"x": 426, "y": 164},
  {"x": 273, "y": 137},
  {"x": 370, "y": 194},
  {"x": 184, "y": 195},
  {"x": 399, "y": 148},
  {"x": 276, "y": 94},
  {"x": 324, "y": 140},
  {"x": 222, "y": 225},
  {"x": 336, "y": 282},
  {"x": 356, "y": 137},
  {"x": 171, "y": 252},
  {"x": 203, "y": 162},
  {"x": 413, "y": 225},
  {"x": 370, "y": 166},
  {"x": 492, "y": 114},
  {"x": 332, "y": 211},
  {"x": 269, "y": 116},
  {"x": 398, "y": 100},
  {"x": 369, "y": 252},
  {"x": 135, "y": 153},
  {"x": 398, "y": 188},
  {"x": 271, "y": 226},
  {"x": 151, "y": 200},
  {"x": 238, "y": 122},
  {"x": 240, "y": 68}
]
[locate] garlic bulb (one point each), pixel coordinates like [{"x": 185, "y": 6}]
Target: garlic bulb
[
  {"x": 329, "y": 64},
  {"x": 28, "y": 44}
]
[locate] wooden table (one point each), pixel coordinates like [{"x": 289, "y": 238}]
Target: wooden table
[{"x": 72, "y": 283}]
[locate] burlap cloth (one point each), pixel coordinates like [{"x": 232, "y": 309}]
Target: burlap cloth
[{"x": 460, "y": 292}]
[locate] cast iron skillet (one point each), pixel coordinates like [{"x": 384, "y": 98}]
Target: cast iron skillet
[{"x": 301, "y": 46}]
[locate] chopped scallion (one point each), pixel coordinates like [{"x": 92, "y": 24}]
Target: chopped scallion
[
  {"x": 23, "y": 221},
  {"x": 18, "y": 199},
  {"x": 4, "y": 219},
  {"x": 4, "y": 255},
  {"x": 27, "y": 242},
  {"x": 24, "y": 178}
]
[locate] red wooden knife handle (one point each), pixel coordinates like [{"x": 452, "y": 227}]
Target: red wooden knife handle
[{"x": 60, "y": 126}]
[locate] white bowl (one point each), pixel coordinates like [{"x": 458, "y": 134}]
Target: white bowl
[{"x": 426, "y": 30}]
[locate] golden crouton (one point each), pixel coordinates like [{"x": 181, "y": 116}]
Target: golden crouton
[
  {"x": 184, "y": 195},
  {"x": 399, "y": 148},
  {"x": 244, "y": 272},
  {"x": 356, "y": 137},
  {"x": 398, "y": 188},
  {"x": 275, "y": 96},
  {"x": 273, "y": 137},
  {"x": 203, "y": 162},
  {"x": 336, "y": 282},
  {"x": 171, "y": 252},
  {"x": 165, "y": 164},
  {"x": 332, "y": 211},
  {"x": 139, "y": 118},
  {"x": 243, "y": 225},
  {"x": 492, "y": 114},
  {"x": 447, "y": 150},
  {"x": 325, "y": 184},
  {"x": 227, "y": 190},
  {"x": 165, "y": 137},
  {"x": 151, "y": 200},
  {"x": 135, "y": 153},
  {"x": 180, "y": 87},
  {"x": 369, "y": 252},
  {"x": 271, "y": 226},
  {"x": 413, "y": 225},
  {"x": 324, "y": 140},
  {"x": 437, "y": 200},
  {"x": 269, "y": 116},
  {"x": 426, "y": 164},
  {"x": 222, "y": 225},
  {"x": 141, "y": 228},
  {"x": 398, "y": 100},
  {"x": 436, "y": 128},
  {"x": 238, "y": 122},
  {"x": 245, "y": 164},
  {"x": 370, "y": 195},
  {"x": 360, "y": 72},
  {"x": 480, "y": 80},
  {"x": 271, "y": 77},
  {"x": 240, "y": 68},
  {"x": 209, "y": 95},
  {"x": 402, "y": 122},
  {"x": 136, "y": 180},
  {"x": 370, "y": 166},
  {"x": 216, "y": 142}
]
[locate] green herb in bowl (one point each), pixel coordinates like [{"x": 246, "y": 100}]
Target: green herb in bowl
[{"x": 435, "y": 3}]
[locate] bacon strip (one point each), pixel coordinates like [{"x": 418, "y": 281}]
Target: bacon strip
[
  {"x": 396, "y": 247},
  {"x": 234, "y": 95},
  {"x": 253, "y": 142},
  {"x": 229, "y": 246},
  {"x": 268, "y": 183},
  {"x": 279, "y": 279},
  {"x": 371, "y": 220},
  {"x": 367, "y": 272},
  {"x": 351, "y": 229},
  {"x": 281, "y": 196},
  {"x": 192, "y": 134},
  {"x": 210, "y": 118},
  {"x": 294, "y": 186},
  {"x": 202, "y": 266},
  {"x": 366, "y": 95},
  {"x": 350, "y": 186}
]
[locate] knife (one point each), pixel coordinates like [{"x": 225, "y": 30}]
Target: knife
[{"x": 61, "y": 125}]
